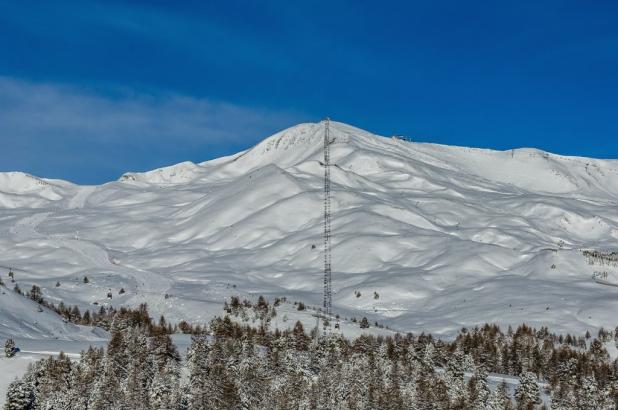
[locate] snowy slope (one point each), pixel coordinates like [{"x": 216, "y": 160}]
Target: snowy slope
[
  {"x": 447, "y": 236},
  {"x": 21, "y": 318}
]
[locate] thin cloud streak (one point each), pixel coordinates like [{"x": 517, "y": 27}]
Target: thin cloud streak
[{"x": 61, "y": 129}]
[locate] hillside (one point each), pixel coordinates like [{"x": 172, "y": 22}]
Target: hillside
[{"x": 446, "y": 236}]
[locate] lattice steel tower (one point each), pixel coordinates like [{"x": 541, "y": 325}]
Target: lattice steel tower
[{"x": 327, "y": 217}]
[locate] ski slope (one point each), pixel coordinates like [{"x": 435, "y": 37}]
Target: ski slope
[{"x": 445, "y": 236}]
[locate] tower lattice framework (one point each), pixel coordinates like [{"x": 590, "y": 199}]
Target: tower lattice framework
[{"x": 327, "y": 220}]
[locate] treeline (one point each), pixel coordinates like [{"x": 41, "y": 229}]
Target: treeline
[
  {"x": 602, "y": 258},
  {"x": 576, "y": 369},
  {"x": 262, "y": 311},
  {"x": 109, "y": 317},
  {"x": 234, "y": 366},
  {"x": 135, "y": 372}
]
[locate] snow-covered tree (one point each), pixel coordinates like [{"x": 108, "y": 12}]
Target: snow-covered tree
[
  {"x": 9, "y": 348},
  {"x": 355, "y": 379},
  {"x": 164, "y": 387},
  {"x": 479, "y": 391},
  {"x": 454, "y": 378},
  {"x": 499, "y": 398},
  {"x": 252, "y": 378},
  {"x": 527, "y": 393},
  {"x": 20, "y": 396},
  {"x": 84, "y": 375}
]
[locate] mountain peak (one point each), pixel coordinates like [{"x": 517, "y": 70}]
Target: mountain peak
[
  {"x": 311, "y": 133},
  {"x": 410, "y": 220}
]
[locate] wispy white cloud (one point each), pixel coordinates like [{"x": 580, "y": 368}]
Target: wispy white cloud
[{"x": 44, "y": 125}]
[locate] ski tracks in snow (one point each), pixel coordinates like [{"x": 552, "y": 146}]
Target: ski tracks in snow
[
  {"x": 92, "y": 254},
  {"x": 25, "y": 228}
]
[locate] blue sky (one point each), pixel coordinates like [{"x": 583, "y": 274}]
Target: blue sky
[{"x": 89, "y": 90}]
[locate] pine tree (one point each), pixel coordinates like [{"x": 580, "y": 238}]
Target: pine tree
[
  {"x": 499, "y": 399},
  {"x": 326, "y": 387},
  {"x": 291, "y": 374},
  {"x": 84, "y": 376},
  {"x": 479, "y": 391},
  {"x": 563, "y": 398},
  {"x": 355, "y": 378},
  {"x": 252, "y": 379},
  {"x": 301, "y": 341},
  {"x": 163, "y": 388},
  {"x": 107, "y": 392},
  {"x": 411, "y": 371},
  {"x": 20, "y": 396},
  {"x": 454, "y": 378},
  {"x": 198, "y": 368},
  {"x": 222, "y": 392},
  {"x": 35, "y": 294},
  {"x": 54, "y": 385},
  {"x": 588, "y": 397},
  {"x": 9, "y": 348},
  {"x": 432, "y": 394},
  {"x": 164, "y": 352},
  {"x": 392, "y": 399},
  {"x": 428, "y": 359},
  {"x": 527, "y": 393}
]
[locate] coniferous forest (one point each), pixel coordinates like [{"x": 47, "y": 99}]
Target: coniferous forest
[{"x": 233, "y": 366}]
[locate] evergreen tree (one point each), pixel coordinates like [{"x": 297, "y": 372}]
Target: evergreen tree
[
  {"x": 252, "y": 379},
  {"x": 499, "y": 399},
  {"x": 198, "y": 369},
  {"x": 55, "y": 385},
  {"x": 527, "y": 393},
  {"x": 35, "y": 294},
  {"x": 432, "y": 393},
  {"x": 247, "y": 368},
  {"x": 107, "y": 392},
  {"x": 140, "y": 368},
  {"x": 20, "y": 396},
  {"x": 164, "y": 387},
  {"x": 479, "y": 391},
  {"x": 590, "y": 396},
  {"x": 454, "y": 378},
  {"x": 9, "y": 348},
  {"x": 428, "y": 359},
  {"x": 222, "y": 392},
  {"x": 392, "y": 398},
  {"x": 355, "y": 379},
  {"x": 563, "y": 398},
  {"x": 84, "y": 376}
]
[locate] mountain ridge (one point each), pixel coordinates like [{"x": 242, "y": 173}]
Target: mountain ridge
[{"x": 446, "y": 236}]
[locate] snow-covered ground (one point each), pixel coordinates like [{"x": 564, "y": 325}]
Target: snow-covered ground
[
  {"x": 446, "y": 236},
  {"x": 38, "y": 332},
  {"x": 33, "y": 350}
]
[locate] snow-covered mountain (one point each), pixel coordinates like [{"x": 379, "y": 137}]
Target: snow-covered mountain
[{"x": 433, "y": 237}]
